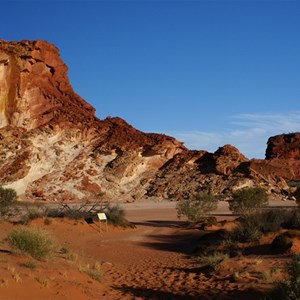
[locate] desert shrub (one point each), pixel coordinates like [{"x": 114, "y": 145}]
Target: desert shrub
[
  {"x": 248, "y": 201},
  {"x": 30, "y": 214},
  {"x": 252, "y": 227},
  {"x": 270, "y": 220},
  {"x": 116, "y": 215},
  {"x": 64, "y": 250},
  {"x": 33, "y": 214},
  {"x": 246, "y": 231},
  {"x": 292, "y": 219},
  {"x": 210, "y": 221},
  {"x": 82, "y": 211},
  {"x": 72, "y": 213},
  {"x": 8, "y": 197},
  {"x": 93, "y": 272},
  {"x": 213, "y": 260},
  {"x": 197, "y": 207},
  {"x": 29, "y": 265},
  {"x": 32, "y": 241},
  {"x": 54, "y": 213},
  {"x": 289, "y": 289}
]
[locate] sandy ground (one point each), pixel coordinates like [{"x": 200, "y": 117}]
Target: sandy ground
[{"x": 151, "y": 261}]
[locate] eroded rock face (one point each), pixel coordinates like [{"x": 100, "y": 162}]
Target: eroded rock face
[
  {"x": 223, "y": 162},
  {"x": 52, "y": 147},
  {"x": 192, "y": 172},
  {"x": 282, "y": 161},
  {"x": 284, "y": 146},
  {"x": 288, "y": 169},
  {"x": 34, "y": 88}
]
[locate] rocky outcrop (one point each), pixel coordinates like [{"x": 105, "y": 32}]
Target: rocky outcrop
[
  {"x": 53, "y": 147},
  {"x": 284, "y": 146},
  {"x": 35, "y": 89},
  {"x": 223, "y": 162},
  {"x": 287, "y": 169},
  {"x": 191, "y": 172},
  {"x": 282, "y": 161}
]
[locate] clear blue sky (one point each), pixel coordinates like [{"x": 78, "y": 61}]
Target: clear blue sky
[{"x": 207, "y": 72}]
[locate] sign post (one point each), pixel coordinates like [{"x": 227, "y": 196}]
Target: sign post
[{"x": 102, "y": 217}]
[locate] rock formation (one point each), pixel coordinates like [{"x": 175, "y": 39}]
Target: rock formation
[
  {"x": 53, "y": 147},
  {"x": 284, "y": 146}
]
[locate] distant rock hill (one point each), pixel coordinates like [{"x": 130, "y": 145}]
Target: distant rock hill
[{"x": 54, "y": 148}]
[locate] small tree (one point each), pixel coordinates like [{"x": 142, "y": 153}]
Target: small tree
[
  {"x": 197, "y": 207},
  {"x": 7, "y": 198},
  {"x": 245, "y": 202}
]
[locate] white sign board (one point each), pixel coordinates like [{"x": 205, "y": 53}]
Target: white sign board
[{"x": 102, "y": 216}]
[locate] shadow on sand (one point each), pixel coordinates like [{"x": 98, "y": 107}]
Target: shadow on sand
[
  {"x": 148, "y": 293},
  {"x": 182, "y": 242},
  {"x": 153, "y": 294},
  {"x": 160, "y": 223}
]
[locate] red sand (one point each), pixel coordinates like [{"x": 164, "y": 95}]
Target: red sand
[{"x": 148, "y": 262}]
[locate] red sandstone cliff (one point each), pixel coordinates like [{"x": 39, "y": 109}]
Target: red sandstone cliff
[
  {"x": 52, "y": 147},
  {"x": 35, "y": 89}
]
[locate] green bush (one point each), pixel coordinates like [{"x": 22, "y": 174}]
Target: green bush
[
  {"x": 196, "y": 208},
  {"x": 32, "y": 241},
  {"x": 289, "y": 289},
  {"x": 270, "y": 220},
  {"x": 246, "y": 231},
  {"x": 8, "y": 198},
  {"x": 251, "y": 227},
  {"x": 248, "y": 201}
]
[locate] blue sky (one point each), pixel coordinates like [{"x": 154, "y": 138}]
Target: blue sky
[{"x": 206, "y": 72}]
